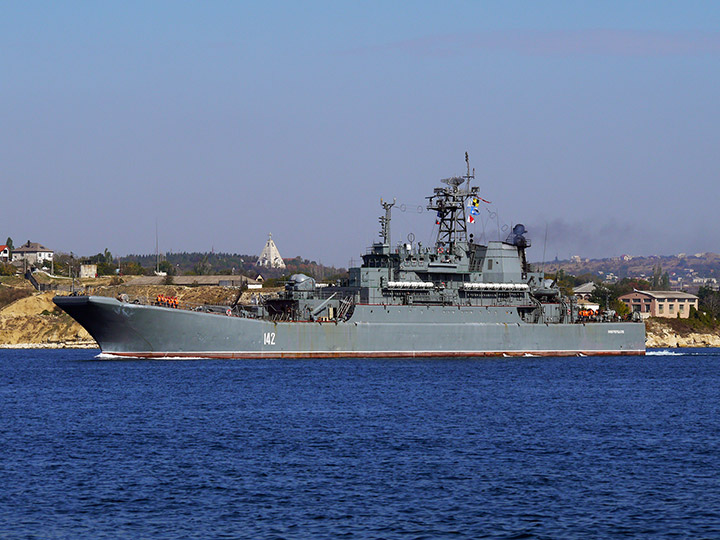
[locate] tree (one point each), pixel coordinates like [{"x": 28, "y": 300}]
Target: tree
[
  {"x": 709, "y": 301},
  {"x": 609, "y": 294},
  {"x": 132, "y": 268},
  {"x": 665, "y": 282},
  {"x": 603, "y": 294},
  {"x": 655, "y": 280},
  {"x": 9, "y": 244},
  {"x": 7, "y": 269},
  {"x": 167, "y": 267},
  {"x": 660, "y": 280},
  {"x": 621, "y": 308},
  {"x": 202, "y": 268},
  {"x": 106, "y": 268}
]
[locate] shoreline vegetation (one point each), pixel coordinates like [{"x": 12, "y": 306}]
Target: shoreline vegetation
[{"x": 30, "y": 320}]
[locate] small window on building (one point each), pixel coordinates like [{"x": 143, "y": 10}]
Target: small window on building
[
  {"x": 660, "y": 308},
  {"x": 682, "y": 307},
  {"x": 672, "y": 307},
  {"x": 489, "y": 264}
]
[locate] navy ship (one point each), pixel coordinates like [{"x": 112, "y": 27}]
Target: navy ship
[{"x": 455, "y": 298}]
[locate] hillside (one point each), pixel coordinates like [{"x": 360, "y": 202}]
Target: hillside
[
  {"x": 197, "y": 263},
  {"x": 685, "y": 266}
]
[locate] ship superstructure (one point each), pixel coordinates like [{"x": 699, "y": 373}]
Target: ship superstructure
[{"x": 455, "y": 297}]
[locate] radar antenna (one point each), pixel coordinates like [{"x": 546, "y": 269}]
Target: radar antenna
[{"x": 449, "y": 203}]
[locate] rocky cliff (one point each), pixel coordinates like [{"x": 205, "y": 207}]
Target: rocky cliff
[
  {"x": 660, "y": 334},
  {"x": 34, "y": 321}
]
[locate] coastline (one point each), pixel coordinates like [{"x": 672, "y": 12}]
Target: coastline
[
  {"x": 667, "y": 338},
  {"x": 34, "y": 322},
  {"x": 63, "y": 345}
]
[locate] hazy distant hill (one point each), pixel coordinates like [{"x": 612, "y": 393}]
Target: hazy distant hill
[
  {"x": 705, "y": 265},
  {"x": 196, "y": 263}
]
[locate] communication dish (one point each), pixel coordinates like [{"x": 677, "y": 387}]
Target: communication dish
[{"x": 454, "y": 181}]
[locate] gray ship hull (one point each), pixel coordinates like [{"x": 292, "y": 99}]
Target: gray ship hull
[{"x": 135, "y": 330}]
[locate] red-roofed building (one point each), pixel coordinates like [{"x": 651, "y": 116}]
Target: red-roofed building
[{"x": 4, "y": 254}]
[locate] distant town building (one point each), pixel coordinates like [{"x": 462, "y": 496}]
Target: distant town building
[
  {"x": 32, "y": 253},
  {"x": 668, "y": 304},
  {"x": 610, "y": 278},
  {"x": 584, "y": 291},
  {"x": 4, "y": 254},
  {"x": 270, "y": 256},
  {"x": 88, "y": 270}
]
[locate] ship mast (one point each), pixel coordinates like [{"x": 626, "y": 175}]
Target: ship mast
[
  {"x": 385, "y": 222},
  {"x": 449, "y": 205}
]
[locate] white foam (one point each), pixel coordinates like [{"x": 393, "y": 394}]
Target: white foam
[
  {"x": 664, "y": 353},
  {"x": 108, "y": 356},
  {"x": 120, "y": 356}
]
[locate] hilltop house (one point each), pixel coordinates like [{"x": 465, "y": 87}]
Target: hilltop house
[
  {"x": 4, "y": 254},
  {"x": 669, "y": 304},
  {"x": 32, "y": 253}
]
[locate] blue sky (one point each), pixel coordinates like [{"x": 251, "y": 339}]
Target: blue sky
[{"x": 223, "y": 121}]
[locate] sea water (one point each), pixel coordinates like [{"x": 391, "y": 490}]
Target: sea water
[{"x": 596, "y": 447}]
